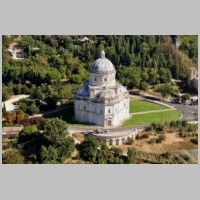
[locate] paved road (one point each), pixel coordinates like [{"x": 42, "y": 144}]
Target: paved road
[
  {"x": 14, "y": 99},
  {"x": 186, "y": 110},
  {"x": 72, "y": 129}
]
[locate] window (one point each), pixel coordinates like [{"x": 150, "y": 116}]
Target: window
[
  {"x": 95, "y": 79},
  {"x": 101, "y": 111},
  {"x": 105, "y": 79},
  {"x": 108, "y": 110},
  {"x": 84, "y": 107}
]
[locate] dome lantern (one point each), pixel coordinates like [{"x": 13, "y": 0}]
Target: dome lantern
[{"x": 102, "y": 54}]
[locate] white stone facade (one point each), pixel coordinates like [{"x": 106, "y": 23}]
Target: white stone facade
[{"x": 102, "y": 101}]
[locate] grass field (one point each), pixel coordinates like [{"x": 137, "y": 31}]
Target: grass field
[
  {"x": 165, "y": 116},
  {"x": 142, "y": 106}
]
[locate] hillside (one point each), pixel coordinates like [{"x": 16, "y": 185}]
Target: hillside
[{"x": 51, "y": 61}]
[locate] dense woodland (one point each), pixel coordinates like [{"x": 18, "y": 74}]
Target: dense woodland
[{"x": 56, "y": 66}]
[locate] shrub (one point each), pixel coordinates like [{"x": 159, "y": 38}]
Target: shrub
[
  {"x": 154, "y": 126},
  {"x": 152, "y": 141},
  {"x": 167, "y": 155},
  {"x": 159, "y": 128},
  {"x": 161, "y": 138},
  {"x": 145, "y": 135},
  {"x": 130, "y": 141},
  {"x": 184, "y": 123},
  {"x": 149, "y": 128},
  {"x": 173, "y": 123},
  {"x": 194, "y": 140}
]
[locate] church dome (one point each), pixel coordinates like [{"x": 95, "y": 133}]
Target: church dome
[
  {"x": 102, "y": 65},
  {"x": 106, "y": 94}
]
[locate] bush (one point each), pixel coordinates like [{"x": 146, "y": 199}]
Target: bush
[
  {"x": 173, "y": 123},
  {"x": 184, "y": 123},
  {"x": 145, "y": 135},
  {"x": 153, "y": 126},
  {"x": 160, "y": 128},
  {"x": 130, "y": 141},
  {"x": 194, "y": 140},
  {"x": 167, "y": 155},
  {"x": 149, "y": 128},
  {"x": 152, "y": 141},
  {"x": 161, "y": 138}
]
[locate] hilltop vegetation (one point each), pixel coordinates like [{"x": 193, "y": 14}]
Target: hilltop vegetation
[{"x": 56, "y": 66}]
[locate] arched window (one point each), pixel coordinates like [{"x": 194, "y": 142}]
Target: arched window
[{"x": 105, "y": 79}]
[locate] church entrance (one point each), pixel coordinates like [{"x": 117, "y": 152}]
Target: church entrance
[{"x": 109, "y": 122}]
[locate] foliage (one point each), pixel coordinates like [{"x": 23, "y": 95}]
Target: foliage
[
  {"x": 131, "y": 156},
  {"x": 185, "y": 97},
  {"x": 55, "y": 131},
  {"x": 89, "y": 148},
  {"x": 130, "y": 141},
  {"x": 165, "y": 90},
  {"x": 10, "y": 117},
  {"x": 38, "y": 121},
  {"x": 19, "y": 116},
  {"x": 161, "y": 138},
  {"x": 27, "y": 134},
  {"x": 48, "y": 155},
  {"x": 13, "y": 157}
]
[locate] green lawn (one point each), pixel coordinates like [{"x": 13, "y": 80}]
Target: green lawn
[
  {"x": 165, "y": 116},
  {"x": 142, "y": 106}
]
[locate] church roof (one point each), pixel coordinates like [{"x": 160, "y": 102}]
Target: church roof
[
  {"x": 106, "y": 94},
  {"x": 102, "y": 65},
  {"x": 83, "y": 91}
]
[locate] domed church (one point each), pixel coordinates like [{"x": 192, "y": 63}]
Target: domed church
[{"x": 102, "y": 101}]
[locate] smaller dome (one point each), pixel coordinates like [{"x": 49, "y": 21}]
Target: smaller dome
[
  {"x": 102, "y": 65},
  {"x": 83, "y": 91},
  {"x": 106, "y": 94}
]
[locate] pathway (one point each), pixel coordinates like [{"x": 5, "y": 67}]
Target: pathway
[
  {"x": 152, "y": 111},
  {"x": 14, "y": 99}
]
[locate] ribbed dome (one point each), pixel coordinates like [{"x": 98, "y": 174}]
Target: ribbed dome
[
  {"x": 106, "y": 94},
  {"x": 102, "y": 65}
]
